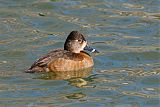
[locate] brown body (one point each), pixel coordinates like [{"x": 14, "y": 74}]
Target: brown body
[{"x": 62, "y": 60}]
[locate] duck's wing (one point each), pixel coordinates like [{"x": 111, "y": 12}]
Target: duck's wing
[{"x": 41, "y": 64}]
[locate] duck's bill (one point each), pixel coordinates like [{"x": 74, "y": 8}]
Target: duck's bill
[{"x": 90, "y": 49}]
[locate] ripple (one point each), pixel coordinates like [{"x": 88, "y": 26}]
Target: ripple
[
  {"x": 126, "y": 71},
  {"x": 131, "y": 93},
  {"x": 127, "y": 5},
  {"x": 76, "y": 96}
]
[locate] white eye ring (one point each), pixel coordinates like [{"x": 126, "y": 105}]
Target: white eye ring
[{"x": 78, "y": 40}]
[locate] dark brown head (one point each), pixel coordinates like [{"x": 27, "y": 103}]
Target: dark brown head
[{"x": 76, "y": 42}]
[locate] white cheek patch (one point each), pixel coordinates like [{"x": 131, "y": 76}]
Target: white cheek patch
[{"x": 84, "y": 45}]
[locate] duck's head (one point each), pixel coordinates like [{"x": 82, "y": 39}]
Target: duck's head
[{"x": 76, "y": 42}]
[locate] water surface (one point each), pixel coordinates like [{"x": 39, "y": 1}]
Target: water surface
[{"x": 126, "y": 71}]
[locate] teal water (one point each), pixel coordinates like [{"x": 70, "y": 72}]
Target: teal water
[{"x": 126, "y": 71}]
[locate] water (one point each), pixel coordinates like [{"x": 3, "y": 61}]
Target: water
[{"x": 126, "y": 71}]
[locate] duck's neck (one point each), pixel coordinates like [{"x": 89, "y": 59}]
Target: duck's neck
[{"x": 73, "y": 51}]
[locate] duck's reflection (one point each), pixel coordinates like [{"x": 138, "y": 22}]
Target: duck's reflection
[
  {"x": 64, "y": 75},
  {"x": 77, "y": 82}
]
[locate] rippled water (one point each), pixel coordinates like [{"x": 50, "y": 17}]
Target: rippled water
[{"x": 126, "y": 71}]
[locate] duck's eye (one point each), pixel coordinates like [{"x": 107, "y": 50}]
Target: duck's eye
[{"x": 79, "y": 40}]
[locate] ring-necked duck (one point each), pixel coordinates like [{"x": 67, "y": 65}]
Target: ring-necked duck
[{"x": 71, "y": 58}]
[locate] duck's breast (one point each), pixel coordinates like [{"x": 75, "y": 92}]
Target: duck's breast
[{"x": 71, "y": 61}]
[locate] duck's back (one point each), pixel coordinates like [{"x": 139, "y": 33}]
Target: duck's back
[{"x": 62, "y": 60}]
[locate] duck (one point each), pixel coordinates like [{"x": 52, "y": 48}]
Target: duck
[{"x": 73, "y": 57}]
